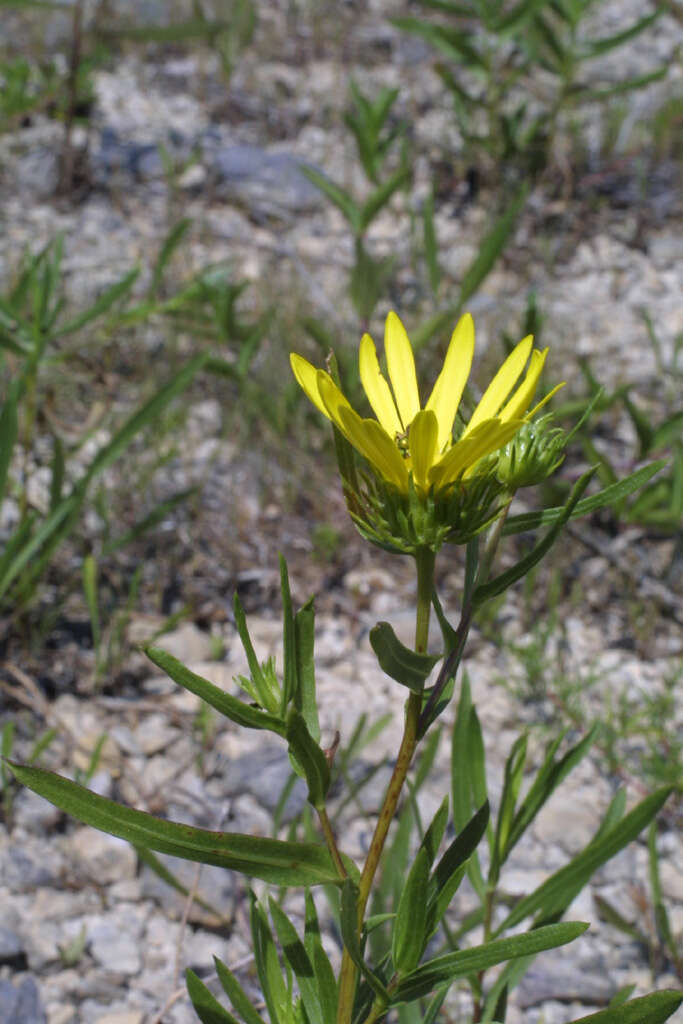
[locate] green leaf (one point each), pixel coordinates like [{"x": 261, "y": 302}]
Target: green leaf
[
  {"x": 548, "y": 778},
  {"x": 309, "y": 758},
  {"x": 290, "y": 678},
  {"x": 271, "y": 860},
  {"x": 8, "y": 435},
  {"x": 600, "y": 46},
  {"x": 298, "y": 959},
  {"x": 452, "y": 43},
  {"x": 327, "y": 984},
  {"x": 449, "y": 872},
  {"x": 305, "y": 701},
  {"x": 408, "y": 938},
  {"x": 264, "y": 692},
  {"x": 514, "y": 771},
  {"x": 169, "y": 246},
  {"x": 102, "y": 305},
  {"x": 485, "y": 591},
  {"x": 207, "y": 1007},
  {"x": 381, "y": 196},
  {"x": 461, "y": 788},
  {"x": 557, "y": 892},
  {"x": 273, "y": 986},
  {"x": 435, "y": 833},
  {"x": 627, "y": 85},
  {"x": 349, "y": 926},
  {"x": 399, "y": 662},
  {"x": 479, "y": 958},
  {"x": 652, "y": 1009},
  {"x": 336, "y": 194},
  {"x": 236, "y": 710},
  {"x": 236, "y": 994},
  {"x": 608, "y": 496}
]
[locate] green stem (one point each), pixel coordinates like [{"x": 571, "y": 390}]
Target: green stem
[
  {"x": 424, "y": 560},
  {"x": 331, "y": 841}
]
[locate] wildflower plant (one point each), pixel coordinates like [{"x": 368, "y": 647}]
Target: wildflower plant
[{"x": 415, "y": 477}]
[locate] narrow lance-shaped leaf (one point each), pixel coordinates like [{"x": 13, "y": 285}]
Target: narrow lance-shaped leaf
[
  {"x": 271, "y": 860},
  {"x": 234, "y": 709},
  {"x": 336, "y": 194},
  {"x": 101, "y": 305},
  {"x": 8, "y": 435},
  {"x": 327, "y": 984},
  {"x": 435, "y": 833},
  {"x": 557, "y": 892},
  {"x": 306, "y": 703},
  {"x": 607, "y": 496},
  {"x": 408, "y": 939},
  {"x": 270, "y": 977},
  {"x": 296, "y": 956},
  {"x": 349, "y": 925},
  {"x": 514, "y": 770},
  {"x": 548, "y": 778},
  {"x": 398, "y": 661},
  {"x": 308, "y": 759},
  {"x": 450, "y": 869},
  {"x": 236, "y": 994},
  {"x": 289, "y": 682},
  {"x": 381, "y": 196},
  {"x": 263, "y": 691},
  {"x": 206, "y": 1006},
  {"x": 652, "y": 1009},
  {"x": 486, "y": 591},
  {"x": 479, "y": 958}
]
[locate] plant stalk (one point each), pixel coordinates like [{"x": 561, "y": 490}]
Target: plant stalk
[{"x": 424, "y": 560}]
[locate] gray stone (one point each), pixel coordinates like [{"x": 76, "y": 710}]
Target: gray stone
[
  {"x": 21, "y": 873},
  {"x": 34, "y": 813},
  {"x": 187, "y": 643},
  {"x": 21, "y": 1004},
  {"x": 263, "y": 773},
  {"x": 216, "y": 887},
  {"x": 102, "y": 857},
  {"x": 38, "y": 173},
  {"x": 11, "y": 947},
  {"x": 269, "y": 184},
  {"x": 563, "y": 981}
]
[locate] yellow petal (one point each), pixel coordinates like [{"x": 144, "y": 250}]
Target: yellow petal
[
  {"x": 307, "y": 375},
  {"x": 530, "y": 415},
  {"x": 401, "y": 366},
  {"x": 501, "y": 385},
  {"x": 517, "y": 405},
  {"x": 376, "y": 387},
  {"x": 372, "y": 441},
  {"x": 506, "y": 432},
  {"x": 466, "y": 452},
  {"x": 447, "y": 392},
  {"x": 332, "y": 398},
  {"x": 422, "y": 441}
]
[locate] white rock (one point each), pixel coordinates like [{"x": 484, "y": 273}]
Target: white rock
[{"x": 102, "y": 857}]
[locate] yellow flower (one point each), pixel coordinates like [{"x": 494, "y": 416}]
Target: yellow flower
[{"x": 408, "y": 440}]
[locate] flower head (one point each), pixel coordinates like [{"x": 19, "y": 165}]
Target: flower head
[{"x": 410, "y": 446}]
